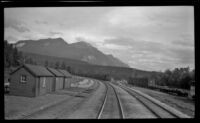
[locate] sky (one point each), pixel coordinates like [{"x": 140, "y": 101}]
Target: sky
[{"x": 153, "y": 38}]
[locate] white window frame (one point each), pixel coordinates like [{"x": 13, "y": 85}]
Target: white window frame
[
  {"x": 23, "y": 78},
  {"x": 44, "y": 82}
]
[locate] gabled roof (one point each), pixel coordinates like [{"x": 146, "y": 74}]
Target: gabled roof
[
  {"x": 65, "y": 73},
  {"x": 55, "y": 72},
  {"x": 35, "y": 70}
]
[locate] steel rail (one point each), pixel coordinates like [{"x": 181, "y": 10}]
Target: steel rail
[
  {"x": 103, "y": 104},
  {"x": 105, "y": 99},
  {"x": 155, "y": 113},
  {"x": 119, "y": 103}
]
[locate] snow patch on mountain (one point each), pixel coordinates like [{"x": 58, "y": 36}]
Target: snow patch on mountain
[
  {"x": 88, "y": 58},
  {"x": 20, "y": 44}
]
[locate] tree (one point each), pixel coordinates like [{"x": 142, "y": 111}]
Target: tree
[
  {"x": 46, "y": 64},
  {"x": 136, "y": 75},
  {"x": 192, "y": 73},
  {"x": 34, "y": 62},
  {"x": 57, "y": 65},
  {"x": 185, "y": 81},
  {"x": 63, "y": 66},
  {"x": 21, "y": 58},
  {"x": 29, "y": 60},
  {"x": 68, "y": 69},
  {"x": 179, "y": 78},
  {"x": 16, "y": 57},
  {"x": 8, "y": 52},
  {"x": 5, "y": 54},
  {"x": 166, "y": 77},
  {"x": 52, "y": 64},
  {"x": 106, "y": 77},
  {"x": 12, "y": 56},
  {"x": 175, "y": 77}
]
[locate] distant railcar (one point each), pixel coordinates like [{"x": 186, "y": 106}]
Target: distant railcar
[
  {"x": 151, "y": 83},
  {"x": 141, "y": 82},
  {"x": 191, "y": 93}
]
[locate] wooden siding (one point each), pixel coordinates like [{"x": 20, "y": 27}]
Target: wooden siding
[
  {"x": 22, "y": 89},
  {"x": 36, "y": 86},
  {"x": 42, "y": 90},
  {"x": 67, "y": 83},
  {"x": 59, "y": 83},
  {"x": 47, "y": 87},
  {"x": 50, "y": 84}
]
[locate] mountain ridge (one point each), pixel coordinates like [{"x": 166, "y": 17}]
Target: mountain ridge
[{"x": 81, "y": 50}]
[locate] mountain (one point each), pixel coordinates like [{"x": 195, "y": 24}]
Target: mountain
[
  {"x": 81, "y": 51},
  {"x": 116, "y": 61}
]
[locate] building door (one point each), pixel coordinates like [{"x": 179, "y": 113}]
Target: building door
[
  {"x": 42, "y": 85},
  {"x": 54, "y": 84}
]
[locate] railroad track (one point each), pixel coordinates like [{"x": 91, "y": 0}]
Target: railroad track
[
  {"x": 102, "y": 109},
  {"x": 158, "y": 110}
]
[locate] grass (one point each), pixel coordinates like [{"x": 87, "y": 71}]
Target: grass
[{"x": 15, "y": 105}]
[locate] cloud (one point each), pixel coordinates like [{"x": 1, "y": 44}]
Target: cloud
[
  {"x": 41, "y": 22},
  {"x": 184, "y": 56},
  {"x": 116, "y": 47},
  {"x": 150, "y": 16},
  {"x": 183, "y": 43},
  {"x": 150, "y": 55},
  {"x": 139, "y": 45},
  {"x": 10, "y": 38},
  {"x": 150, "y": 23},
  {"x": 52, "y": 33},
  {"x": 120, "y": 41},
  {"x": 184, "y": 40},
  {"x": 16, "y": 24}
]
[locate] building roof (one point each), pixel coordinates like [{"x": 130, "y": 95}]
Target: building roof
[
  {"x": 35, "y": 70},
  {"x": 55, "y": 72},
  {"x": 66, "y": 73}
]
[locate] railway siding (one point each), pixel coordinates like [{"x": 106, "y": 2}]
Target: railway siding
[
  {"x": 89, "y": 108},
  {"x": 172, "y": 110}
]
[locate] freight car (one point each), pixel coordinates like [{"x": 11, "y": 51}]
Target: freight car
[{"x": 141, "y": 82}]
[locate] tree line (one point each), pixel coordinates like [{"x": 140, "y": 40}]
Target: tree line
[
  {"x": 12, "y": 57},
  {"x": 177, "y": 78},
  {"x": 15, "y": 58}
]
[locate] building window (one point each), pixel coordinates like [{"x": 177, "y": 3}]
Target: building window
[
  {"x": 23, "y": 79},
  {"x": 44, "y": 82}
]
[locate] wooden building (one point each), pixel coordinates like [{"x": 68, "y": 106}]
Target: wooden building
[
  {"x": 67, "y": 78},
  {"x": 31, "y": 81},
  {"x": 58, "y": 78}
]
